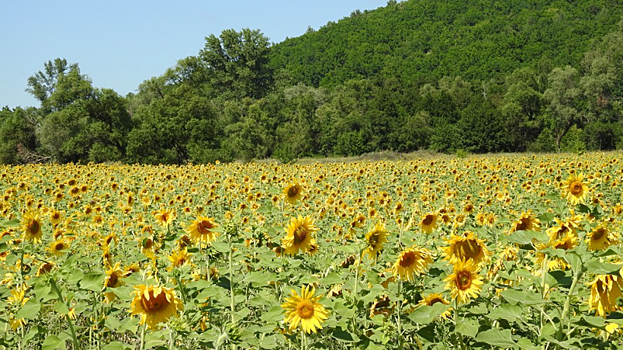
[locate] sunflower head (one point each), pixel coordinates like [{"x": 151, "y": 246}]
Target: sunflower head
[
  {"x": 605, "y": 290},
  {"x": 412, "y": 262},
  {"x": 164, "y": 217},
  {"x": 601, "y": 238},
  {"x": 574, "y": 189},
  {"x": 31, "y": 227},
  {"x": 179, "y": 258},
  {"x": 375, "y": 239},
  {"x": 527, "y": 222},
  {"x": 299, "y": 235},
  {"x": 59, "y": 247},
  {"x": 292, "y": 193},
  {"x": 154, "y": 304},
  {"x": 464, "y": 283},
  {"x": 434, "y": 298},
  {"x": 429, "y": 222},
  {"x": 304, "y": 310},
  {"x": 202, "y": 230},
  {"x": 466, "y": 247}
]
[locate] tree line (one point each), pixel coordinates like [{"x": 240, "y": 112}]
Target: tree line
[{"x": 233, "y": 101}]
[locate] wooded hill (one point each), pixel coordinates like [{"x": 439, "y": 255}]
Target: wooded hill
[{"x": 446, "y": 75}]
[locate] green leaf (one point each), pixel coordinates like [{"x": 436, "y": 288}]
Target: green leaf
[
  {"x": 29, "y": 311},
  {"x": 275, "y": 314},
  {"x": 344, "y": 336},
  {"x": 269, "y": 342},
  {"x": 589, "y": 321},
  {"x": 602, "y": 268},
  {"x": 467, "y": 327},
  {"x": 116, "y": 345},
  {"x": 525, "y": 237},
  {"x": 332, "y": 278},
  {"x": 259, "y": 278},
  {"x": 221, "y": 247},
  {"x": 54, "y": 342},
  {"x": 426, "y": 314},
  {"x": 497, "y": 337},
  {"x": 508, "y": 312},
  {"x": 93, "y": 281},
  {"x": 575, "y": 261},
  {"x": 515, "y": 297},
  {"x": 61, "y": 307}
]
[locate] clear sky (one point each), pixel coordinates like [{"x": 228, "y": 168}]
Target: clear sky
[{"x": 119, "y": 44}]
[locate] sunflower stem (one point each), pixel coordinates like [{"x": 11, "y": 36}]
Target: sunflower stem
[
  {"x": 142, "y": 346},
  {"x": 231, "y": 278},
  {"x": 303, "y": 340},
  {"x": 456, "y": 319},
  {"x": 74, "y": 338},
  {"x": 543, "y": 289},
  {"x": 399, "y": 306},
  {"x": 565, "y": 311}
]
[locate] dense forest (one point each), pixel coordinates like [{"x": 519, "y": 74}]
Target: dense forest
[{"x": 450, "y": 76}]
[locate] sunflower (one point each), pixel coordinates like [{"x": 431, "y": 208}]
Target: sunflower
[
  {"x": 292, "y": 193},
  {"x": 45, "y": 268},
  {"x": 375, "y": 238},
  {"x": 412, "y": 261},
  {"x": 201, "y": 230},
  {"x": 464, "y": 283},
  {"x": 59, "y": 247},
  {"x": 434, "y": 298},
  {"x": 605, "y": 290},
  {"x": 466, "y": 247},
  {"x": 600, "y": 238},
  {"x": 526, "y": 222},
  {"x": 155, "y": 304},
  {"x": 56, "y": 217},
  {"x": 566, "y": 242},
  {"x": 304, "y": 310},
  {"x": 31, "y": 227},
  {"x": 563, "y": 229},
  {"x": 429, "y": 222},
  {"x": 164, "y": 217},
  {"x": 113, "y": 280},
  {"x": 382, "y": 306},
  {"x": 299, "y": 235},
  {"x": 179, "y": 258},
  {"x": 574, "y": 189}
]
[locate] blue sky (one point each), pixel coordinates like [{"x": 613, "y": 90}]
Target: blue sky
[{"x": 119, "y": 44}]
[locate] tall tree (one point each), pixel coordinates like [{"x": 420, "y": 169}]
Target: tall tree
[
  {"x": 237, "y": 63},
  {"x": 564, "y": 100}
]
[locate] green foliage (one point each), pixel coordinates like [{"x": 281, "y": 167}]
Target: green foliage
[{"x": 475, "y": 76}]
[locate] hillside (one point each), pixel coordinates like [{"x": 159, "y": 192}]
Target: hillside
[
  {"x": 426, "y": 40},
  {"x": 449, "y": 76}
]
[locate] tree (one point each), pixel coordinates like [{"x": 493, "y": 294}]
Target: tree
[
  {"x": 17, "y": 136},
  {"x": 564, "y": 101},
  {"x": 237, "y": 64},
  {"x": 44, "y": 83}
]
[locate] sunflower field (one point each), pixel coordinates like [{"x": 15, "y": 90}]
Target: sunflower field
[{"x": 515, "y": 251}]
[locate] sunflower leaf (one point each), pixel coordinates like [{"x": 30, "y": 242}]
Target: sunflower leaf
[
  {"x": 53, "y": 342},
  {"x": 275, "y": 314},
  {"x": 508, "y": 312},
  {"x": 602, "y": 268},
  {"x": 426, "y": 314},
  {"x": 29, "y": 311},
  {"x": 93, "y": 281},
  {"x": 467, "y": 327},
  {"x": 344, "y": 336},
  {"x": 221, "y": 247},
  {"x": 525, "y": 237},
  {"x": 515, "y": 297},
  {"x": 116, "y": 345},
  {"x": 497, "y": 337}
]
